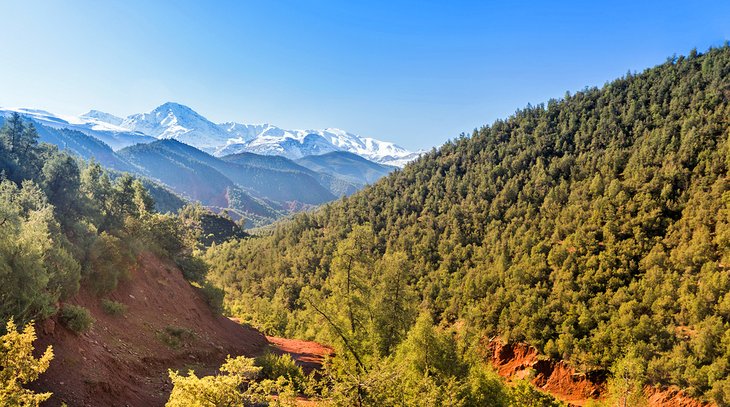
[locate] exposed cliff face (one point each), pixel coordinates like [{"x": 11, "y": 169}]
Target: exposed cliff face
[
  {"x": 123, "y": 360},
  {"x": 518, "y": 361}
]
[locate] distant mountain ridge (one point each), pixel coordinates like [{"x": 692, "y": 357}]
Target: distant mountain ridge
[
  {"x": 176, "y": 121},
  {"x": 114, "y": 136},
  {"x": 345, "y": 165},
  {"x": 259, "y": 187}
]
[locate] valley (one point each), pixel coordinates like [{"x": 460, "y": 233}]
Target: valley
[{"x": 575, "y": 252}]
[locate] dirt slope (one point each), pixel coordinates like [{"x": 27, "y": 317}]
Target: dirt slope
[
  {"x": 306, "y": 354},
  {"x": 520, "y": 361},
  {"x": 123, "y": 360}
]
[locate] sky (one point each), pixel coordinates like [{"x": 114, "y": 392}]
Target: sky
[{"x": 417, "y": 73}]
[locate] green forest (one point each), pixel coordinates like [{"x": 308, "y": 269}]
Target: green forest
[
  {"x": 69, "y": 224},
  {"x": 594, "y": 227}
]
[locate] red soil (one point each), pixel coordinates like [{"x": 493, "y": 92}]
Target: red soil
[
  {"x": 122, "y": 359},
  {"x": 520, "y": 361},
  {"x": 670, "y": 397},
  {"x": 308, "y": 355}
]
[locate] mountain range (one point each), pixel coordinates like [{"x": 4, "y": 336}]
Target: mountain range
[
  {"x": 175, "y": 121},
  {"x": 257, "y": 172}
]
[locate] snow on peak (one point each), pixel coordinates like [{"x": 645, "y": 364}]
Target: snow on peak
[
  {"x": 294, "y": 144},
  {"x": 102, "y": 117},
  {"x": 179, "y": 122},
  {"x": 176, "y": 121}
]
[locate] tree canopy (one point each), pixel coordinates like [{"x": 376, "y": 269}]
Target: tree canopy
[{"x": 584, "y": 226}]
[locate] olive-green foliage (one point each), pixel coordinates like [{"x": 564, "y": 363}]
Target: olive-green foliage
[
  {"x": 274, "y": 366},
  {"x": 583, "y": 226},
  {"x": 213, "y": 228},
  {"x": 114, "y": 308},
  {"x": 524, "y": 394},
  {"x": 18, "y": 366},
  {"x": 626, "y": 385},
  {"x": 194, "y": 269},
  {"x": 66, "y": 223},
  {"x": 108, "y": 261},
  {"x": 213, "y": 296},
  {"x": 76, "y": 318},
  {"x": 167, "y": 234},
  {"x": 175, "y": 336},
  {"x": 233, "y": 387},
  {"x": 429, "y": 368},
  {"x": 34, "y": 271}
]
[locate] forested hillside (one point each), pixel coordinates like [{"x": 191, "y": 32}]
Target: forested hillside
[
  {"x": 595, "y": 227},
  {"x": 71, "y": 235},
  {"x": 67, "y": 223}
]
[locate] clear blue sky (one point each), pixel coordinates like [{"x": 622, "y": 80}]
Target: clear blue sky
[{"x": 417, "y": 73}]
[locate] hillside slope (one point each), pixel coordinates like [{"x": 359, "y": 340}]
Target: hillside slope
[
  {"x": 125, "y": 358},
  {"x": 336, "y": 184},
  {"x": 194, "y": 179},
  {"x": 267, "y": 183},
  {"x": 595, "y": 228},
  {"x": 346, "y": 165}
]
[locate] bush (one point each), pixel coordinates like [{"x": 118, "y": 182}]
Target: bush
[
  {"x": 175, "y": 336},
  {"x": 166, "y": 234},
  {"x": 76, "y": 318},
  {"x": 213, "y": 296},
  {"x": 193, "y": 268},
  {"x": 233, "y": 387},
  {"x": 109, "y": 260},
  {"x": 18, "y": 366},
  {"x": 113, "y": 307},
  {"x": 274, "y": 366},
  {"x": 525, "y": 394}
]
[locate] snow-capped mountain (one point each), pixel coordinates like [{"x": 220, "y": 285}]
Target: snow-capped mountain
[
  {"x": 242, "y": 133},
  {"x": 179, "y": 122},
  {"x": 101, "y": 117},
  {"x": 99, "y": 125},
  {"x": 173, "y": 120},
  {"x": 295, "y": 144}
]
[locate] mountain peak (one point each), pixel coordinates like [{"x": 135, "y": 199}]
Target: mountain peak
[
  {"x": 102, "y": 117},
  {"x": 177, "y": 121},
  {"x": 175, "y": 108},
  {"x": 173, "y": 120}
]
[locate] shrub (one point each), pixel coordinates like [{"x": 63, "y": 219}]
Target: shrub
[
  {"x": 193, "y": 268},
  {"x": 18, "y": 366},
  {"x": 213, "y": 296},
  {"x": 274, "y": 366},
  {"x": 76, "y": 318},
  {"x": 525, "y": 394},
  {"x": 166, "y": 234},
  {"x": 175, "y": 336},
  {"x": 233, "y": 387},
  {"x": 109, "y": 260},
  {"x": 113, "y": 307}
]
